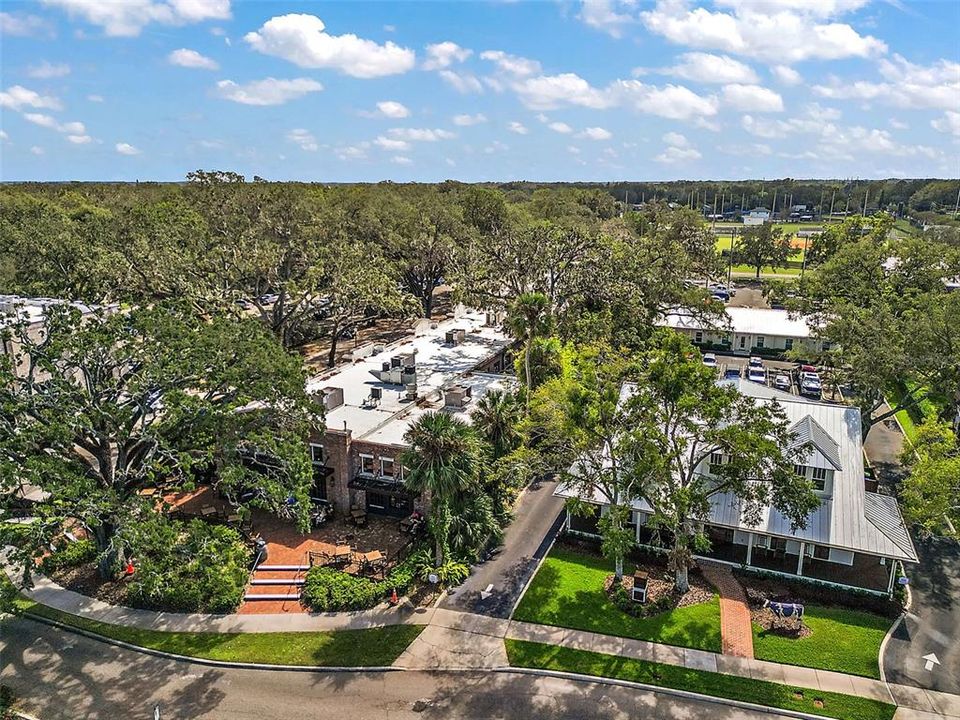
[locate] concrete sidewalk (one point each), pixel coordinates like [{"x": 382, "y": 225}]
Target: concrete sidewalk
[
  {"x": 53, "y": 595},
  {"x": 461, "y": 640}
]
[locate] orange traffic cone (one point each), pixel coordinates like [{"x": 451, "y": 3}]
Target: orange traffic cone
[{"x": 394, "y": 600}]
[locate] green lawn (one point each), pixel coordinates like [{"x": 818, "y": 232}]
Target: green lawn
[
  {"x": 347, "y": 648},
  {"x": 915, "y": 415},
  {"x": 761, "y": 692},
  {"x": 567, "y": 591},
  {"x": 842, "y": 640}
]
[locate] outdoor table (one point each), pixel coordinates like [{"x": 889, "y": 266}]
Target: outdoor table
[
  {"x": 207, "y": 511},
  {"x": 342, "y": 552},
  {"x": 148, "y": 492},
  {"x": 233, "y": 518},
  {"x": 359, "y": 517}
]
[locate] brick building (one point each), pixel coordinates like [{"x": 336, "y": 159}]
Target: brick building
[{"x": 373, "y": 398}]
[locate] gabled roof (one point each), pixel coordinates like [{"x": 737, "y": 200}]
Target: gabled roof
[
  {"x": 884, "y": 513},
  {"x": 809, "y": 432}
]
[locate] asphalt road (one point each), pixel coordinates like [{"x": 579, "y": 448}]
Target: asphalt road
[
  {"x": 535, "y": 522},
  {"x": 61, "y": 675},
  {"x": 933, "y": 623}
]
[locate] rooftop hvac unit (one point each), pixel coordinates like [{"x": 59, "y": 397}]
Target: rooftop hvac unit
[
  {"x": 456, "y": 336},
  {"x": 376, "y": 393},
  {"x": 385, "y": 366},
  {"x": 395, "y": 361},
  {"x": 411, "y": 389},
  {"x": 331, "y": 397},
  {"x": 457, "y": 396}
]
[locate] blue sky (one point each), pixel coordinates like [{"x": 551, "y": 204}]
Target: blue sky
[{"x": 366, "y": 91}]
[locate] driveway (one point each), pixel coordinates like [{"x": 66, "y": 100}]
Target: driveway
[
  {"x": 62, "y": 676},
  {"x": 536, "y": 520},
  {"x": 933, "y": 623}
]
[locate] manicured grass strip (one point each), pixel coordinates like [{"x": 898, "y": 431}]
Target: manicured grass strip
[
  {"x": 567, "y": 592},
  {"x": 345, "y": 648},
  {"x": 841, "y": 640},
  {"x": 730, "y": 687}
]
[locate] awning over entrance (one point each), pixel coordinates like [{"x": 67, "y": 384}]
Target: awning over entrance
[{"x": 380, "y": 485}]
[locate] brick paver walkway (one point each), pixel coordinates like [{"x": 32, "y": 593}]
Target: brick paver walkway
[{"x": 735, "y": 628}]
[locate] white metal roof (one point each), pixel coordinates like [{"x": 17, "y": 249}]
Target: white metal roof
[
  {"x": 438, "y": 366},
  {"x": 851, "y": 518},
  {"x": 747, "y": 321}
]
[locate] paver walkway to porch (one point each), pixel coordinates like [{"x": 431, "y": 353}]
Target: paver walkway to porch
[{"x": 735, "y": 628}]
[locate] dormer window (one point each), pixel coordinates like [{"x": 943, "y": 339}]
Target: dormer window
[
  {"x": 819, "y": 478},
  {"x": 716, "y": 460}
]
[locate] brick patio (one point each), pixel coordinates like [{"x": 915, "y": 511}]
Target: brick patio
[{"x": 286, "y": 545}]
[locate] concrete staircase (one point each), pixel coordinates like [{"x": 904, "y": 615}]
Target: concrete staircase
[{"x": 276, "y": 582}]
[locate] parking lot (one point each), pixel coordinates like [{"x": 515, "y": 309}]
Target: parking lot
[{"x": 738, "y": 366}]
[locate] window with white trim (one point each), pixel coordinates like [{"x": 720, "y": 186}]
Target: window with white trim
[
  {"x": 788, "y": 344},
  {"x": 800, "y": 470},
  {"x": 386, "y": 467},
  {"x": 819, "y": 478},
  {"x": 760, "y": 341},
  {"x": 366, "y": 464},
  {"x": 317, "y": 456},
  {"x": 698, "y": 337}
]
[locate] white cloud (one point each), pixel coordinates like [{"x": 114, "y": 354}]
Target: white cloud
[
  {"x": 192, "y": 59},
  {"x": 444, "y": 54},
  {"x": 786, "y": 75},
  {"x": 129, "y": 17},
  {"x": 126, "y": 149},
  {"x": 467, "y": 120},
  {"x": 949, "y": 123},
  {"x": 46, "y": 70},
  {"x": 268, "y": 91},
  {"x": 511, "y": 64},
  {"x": 3, "y": 135},
  {"x": 303, "y": 138},
  {"x": 401, "y": 160},
  {"x": 517, "y": 127},
  {"x": 898, "y": 124},
  {"x": 79, "y": 139},
  {"x": 75, "y": 127},
  {"x": 392, "y": 109},
  {"x": 906, "y": 85},
  {"x": 95, "y": 98},
  {"x": 674, "y": 102},
  {"x": 603, "y": 15},
  {"x": 785, "y": 32},
  {"x": 301, "y": 40},
  {"x": 421, "y": 134},
  {"x": 495, "y": 147},
  {"x": 595, "y": 133},
  {"x": 37, "y": 150},
  {"x": 675, "y": 139},
  {"x": 23, "y": 25},
  {"x": 706, "y": 68},
  {"x": 560, "y": 127},
  {"x": 573, "y": 149},
  {"x": 353, "y": 152},
  {"x": 18, "y": 97},
  {"x": 674, "y": 154},
  {"x": 546, "y": 92},
  {"x": 751, "y": 98},
  {"x": 392, "y": 144},
  {"x": 461, "y": 82}
]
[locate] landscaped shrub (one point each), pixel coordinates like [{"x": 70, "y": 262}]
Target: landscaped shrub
[
  {"x": 328, "y": 589},
  {"x": 817, "y": 593},
  {"x": 70, "y": 555},
  {"x": 187, "y": 567}
]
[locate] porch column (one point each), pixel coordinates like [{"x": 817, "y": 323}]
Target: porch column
[
  {"x": 637, "y": 527},
  {"x": 803, "y": 548},
  {"x": 893, "y": 572},
  {"x": 749, "y": 547},
  {"x": 566, "y": 522}
]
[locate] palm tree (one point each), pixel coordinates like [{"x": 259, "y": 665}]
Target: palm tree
[
  {"x": 444, "y": 460},
  {"x": 496, "y": 417},
  {"x": 527, "y": 318}
]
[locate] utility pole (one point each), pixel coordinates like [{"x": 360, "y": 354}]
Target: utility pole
[
  {"x": 956, "y": 208},
  {"x": 832, "y": 200},
  {"x": 803, "y": 265},
  {"x": 865, "y": 196},
  {"x": 773, "y": 212}
]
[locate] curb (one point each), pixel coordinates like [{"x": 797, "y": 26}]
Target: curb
[
  {"x": 526, "y": 586},
  {"x": 204, "y": 661},
  {"x": 686, "y": 694},
  {"x": 883, "y": 649}
]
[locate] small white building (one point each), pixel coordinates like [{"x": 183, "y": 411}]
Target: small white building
[
  {"x": 757, "y": 216},
  {"x": 748, "y": 330}
]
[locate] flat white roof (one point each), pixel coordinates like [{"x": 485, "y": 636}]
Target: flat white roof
[
  {"x": 439, "y": 366},
  {"x": 746, "y": 321},
  {"x": 33, "y": 309}
]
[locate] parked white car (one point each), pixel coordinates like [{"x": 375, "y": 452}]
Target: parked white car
[{"x": 710, "y": 360}]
